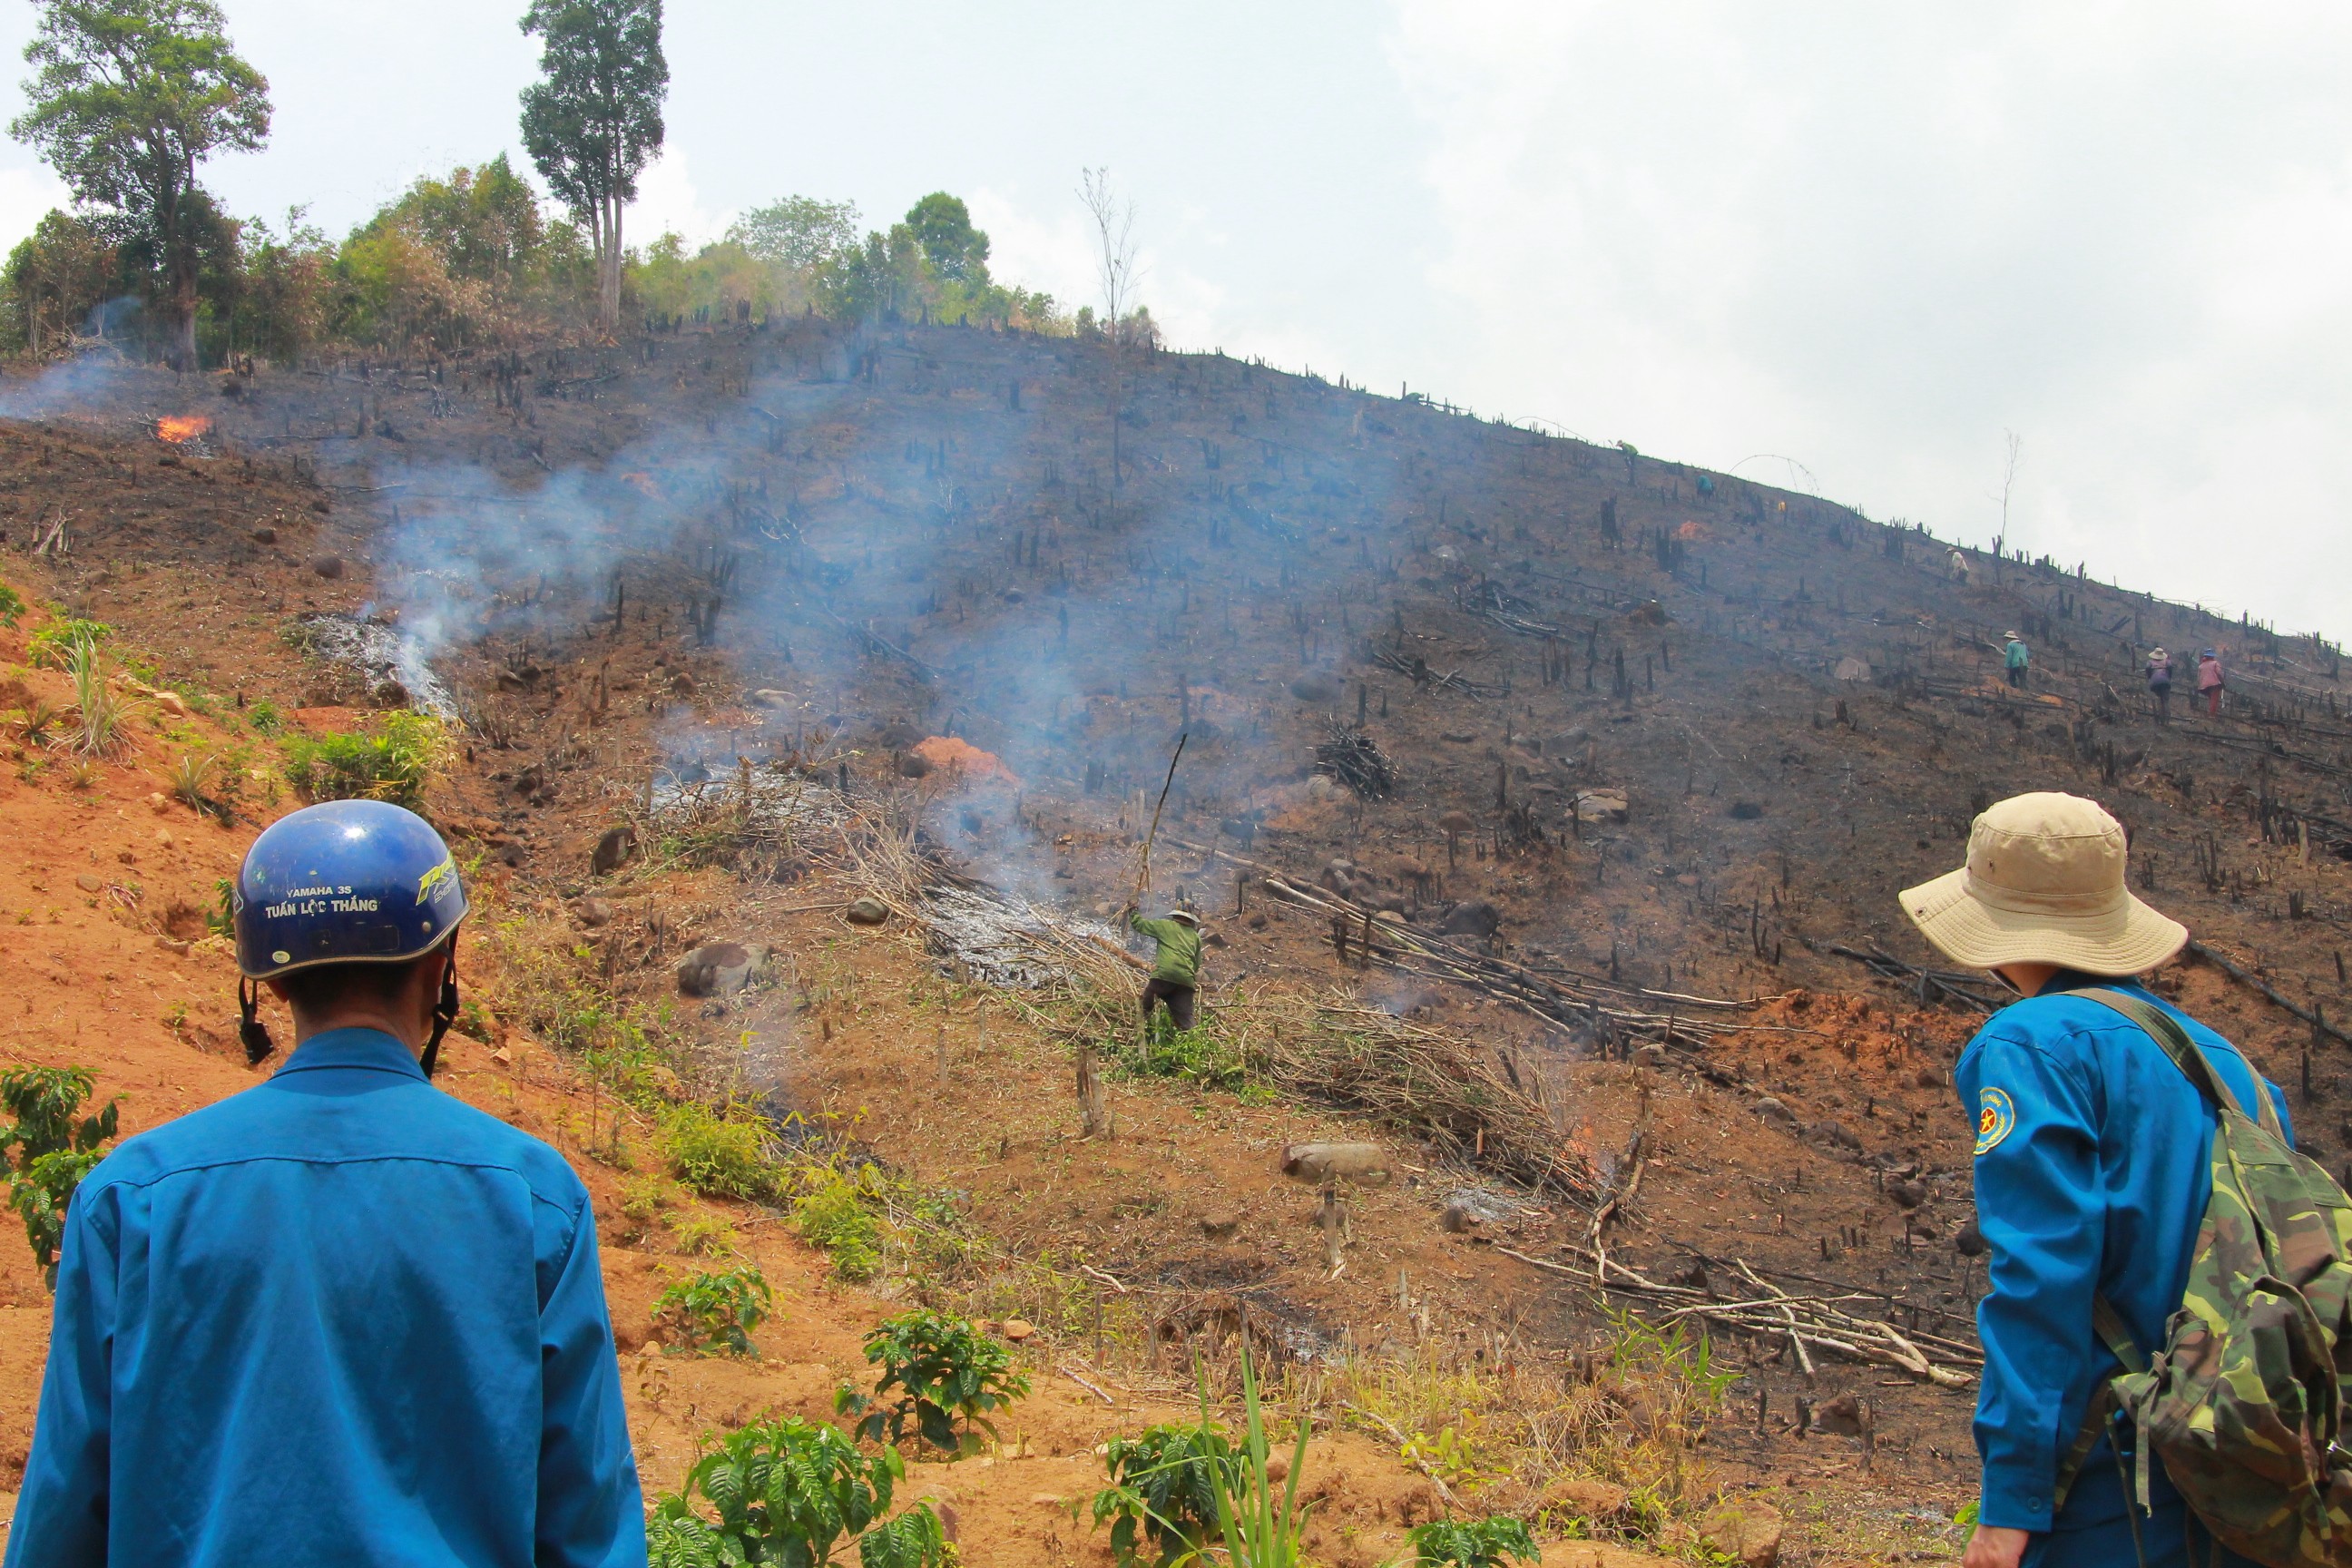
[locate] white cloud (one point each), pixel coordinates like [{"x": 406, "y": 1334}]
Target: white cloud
[
  {"x": 1874, "y": 238},
  {"x": 27, "y": 194},
  {"x": 668, "y": 202}
]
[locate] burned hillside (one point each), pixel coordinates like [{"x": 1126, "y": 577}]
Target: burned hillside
[{"x": 1575, "y": 778}]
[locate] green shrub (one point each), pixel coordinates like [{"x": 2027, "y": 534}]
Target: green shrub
[
  {"x": 834, "y": 1217},
  {"x": 265, "y": 718},
  {"x": 53, "y": 1150},
  {"x": 1161, "y": 1489},
  {"x": 950, "y": 1376},
  {"x": 101, "y": 712},
  {"x": 12, "y": 605},
  {"x": 1472, "y": 1543},
  {"x": 704, "y": 1236},
  {"x": 1199, "y": 1053},
  {"x": 710, "y": 1313},
  {"x": 717, "y": 1153},
  {"x": 50, "y": 647},
  {"x": 393, "y": 761},
  {"x": 787, "y": 1491}
]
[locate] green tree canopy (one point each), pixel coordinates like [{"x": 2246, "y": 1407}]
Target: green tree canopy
[
  {"x": 595, "y": 120},
  {"x": 56, "y": 274},
  {"x": 798, "y": 232},
  {"x": 128, "y": 95},
  {"x": 942, "y": 226}
]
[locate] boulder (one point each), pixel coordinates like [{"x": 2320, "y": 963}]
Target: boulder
[
  {"x": 1652, "y": 1056},
  {"x": 327, "y": 566},
  {"x": 767, "y": 698},
  {"x": 866, "y": 911},
  {"x": 1748, "y": 1530},
  {"x": 1772, "y": 1110},
  {"x": 1602, "y": 805},
  {"x": 612, "y": 851},
  {"x": 1315, "y": 689},
  {"x": 1746, "y": 811},
  {"x": 721, "y": 969},
  {"x": 1472, "y": 917},
  {"x": 594, "y": 912}
]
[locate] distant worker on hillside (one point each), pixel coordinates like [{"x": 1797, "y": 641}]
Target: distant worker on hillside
[
  {"x": 1176, "y": 971},
  {"x": 2210, "y": 683},
  {"x": 2016, "y": 658},
  {"x": 2160, "y": 683},
  {"x": 340, "y": 1317},
  {"x": 2097, "y": 1106},
  {"x": 1956, "y": 567}
]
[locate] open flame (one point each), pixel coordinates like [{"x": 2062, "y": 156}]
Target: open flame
[{"x": 178, "y": 427}]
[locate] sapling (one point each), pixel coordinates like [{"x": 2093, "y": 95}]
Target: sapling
[
  {"x": 789, "y": 1491},
  {"x": 1472, "y": 1543},
  {"x": 53, "y": 1150},
  {"x": 950, "y": 1376},
  {"x": 715, "y": 1310}
]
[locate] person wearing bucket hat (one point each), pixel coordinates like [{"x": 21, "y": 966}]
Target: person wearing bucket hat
[
  {"x": 2160, "y": 683},
  {"x": 1176, "y": 964},
  {"x": 2015, "y": 657},
  {"x": 2209, "y": 681},
  {"x": 2092, "y": 1172},
  {"x": 340, "y": 1317}
]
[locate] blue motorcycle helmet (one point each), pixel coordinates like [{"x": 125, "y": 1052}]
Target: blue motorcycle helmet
[{"x": 346, "y": 881}]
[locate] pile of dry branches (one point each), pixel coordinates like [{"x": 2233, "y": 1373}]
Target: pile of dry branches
[
  {"x": 1439, "y": 1086},
  {"x": 1351, "y": 756}
]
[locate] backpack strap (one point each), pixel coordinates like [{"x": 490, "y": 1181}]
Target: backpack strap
[
  {"x": 2187, "y": 1054},
  {"x": 2117, "y": 1337},
  {"x": 2113, "y": 1332}
]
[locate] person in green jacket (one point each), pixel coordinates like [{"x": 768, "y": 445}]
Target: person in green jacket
[
  {"x": 2016, "y": 658},
  {"x": 1176, "y": 974}
]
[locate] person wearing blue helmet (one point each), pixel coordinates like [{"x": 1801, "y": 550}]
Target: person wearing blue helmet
[{"x": 341, "y": 1316}]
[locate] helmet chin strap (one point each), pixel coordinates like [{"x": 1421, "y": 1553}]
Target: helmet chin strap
[
  {"x": 255, "y": 1034},
  {"x": 251, "y": 1029},
  {"x": 445, "y": 1013}
]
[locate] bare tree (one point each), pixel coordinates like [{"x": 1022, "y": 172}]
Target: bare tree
[
  {"x": 1115, "y": 268},
  {"x": 1114, "y": 237},
  {"x": 2016, "y": 445}
]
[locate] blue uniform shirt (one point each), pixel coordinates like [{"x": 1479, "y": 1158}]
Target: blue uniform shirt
[
  {"x": 341, "y": 1316},
  {"x": 2092, "y": 1176}
]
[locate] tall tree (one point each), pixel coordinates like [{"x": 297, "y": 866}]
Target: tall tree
[
  {"x": 798, "y": 232},
  {"x": 955, "y": 250},
  {"x": 129, "y": 98},
  {"x": 596, "y": 120}
]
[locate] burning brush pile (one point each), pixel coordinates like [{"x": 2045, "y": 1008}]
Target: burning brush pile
[{"x": 392, "y": 667}]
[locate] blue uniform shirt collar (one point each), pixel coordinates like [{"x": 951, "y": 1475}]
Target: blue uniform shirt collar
[{"x": 371, "y": 1049}]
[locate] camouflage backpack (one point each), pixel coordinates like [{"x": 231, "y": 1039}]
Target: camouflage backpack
[{"x": 2245, "y": 1402}]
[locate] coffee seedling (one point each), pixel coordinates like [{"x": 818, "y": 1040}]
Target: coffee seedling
[
  {"x": 950, "y": 1376},
  {"x": 715, "y": 1311}
]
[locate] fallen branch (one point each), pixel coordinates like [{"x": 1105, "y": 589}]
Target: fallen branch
[
  {"x": 1810, "y": 1323},
  {"x": 2244, "y": 978},
  {"x": 1950, "y": 984}
]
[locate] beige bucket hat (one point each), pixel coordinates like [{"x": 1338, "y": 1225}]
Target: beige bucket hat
[{"x": 2043, "y": 884}]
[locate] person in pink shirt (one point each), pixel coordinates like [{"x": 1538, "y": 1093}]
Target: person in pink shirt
[{"x": 2209, "y": 681}]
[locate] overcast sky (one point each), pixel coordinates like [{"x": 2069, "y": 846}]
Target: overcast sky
[{"x": 1849, "y": 247}]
